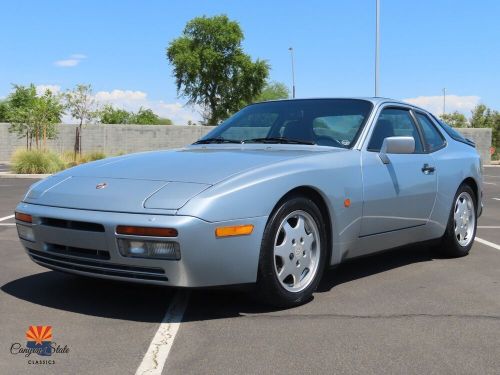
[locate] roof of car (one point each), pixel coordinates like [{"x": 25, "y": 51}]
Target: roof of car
[{"x": 374, "y": 99}]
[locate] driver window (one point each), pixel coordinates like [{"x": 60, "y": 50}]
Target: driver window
[{"x": 393, "y": 123}]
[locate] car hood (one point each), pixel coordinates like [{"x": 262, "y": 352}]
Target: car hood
[
  {"x": 199, "y": 165},
  {"x": 149, "y": 181}
]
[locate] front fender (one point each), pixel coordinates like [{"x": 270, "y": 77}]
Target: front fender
[{"x": 336, "y": 176}]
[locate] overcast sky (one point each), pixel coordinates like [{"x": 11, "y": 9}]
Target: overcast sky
[{"x": 119, "y": 47}]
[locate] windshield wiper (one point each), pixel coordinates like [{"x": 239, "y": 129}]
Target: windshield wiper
[
  {"x": 278, "y": 140},
  {"x": 216, "y": 140}
]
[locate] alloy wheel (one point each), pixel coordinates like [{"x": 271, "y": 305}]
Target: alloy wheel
[{"x": 296, "y": 251}]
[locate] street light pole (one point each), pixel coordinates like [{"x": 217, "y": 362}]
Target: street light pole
[
  {"x": 293, "y": 73},
  {"x": 377, "y": 45},
  {"x": 444, "y": 101}
]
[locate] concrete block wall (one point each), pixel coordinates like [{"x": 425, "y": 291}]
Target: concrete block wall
[
  {"x": 115, "y": 139},
  {"x": 482, "y": 139},
  {"x": 110, "y": 139}
]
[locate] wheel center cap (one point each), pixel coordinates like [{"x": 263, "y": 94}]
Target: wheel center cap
[{"x": 298, "y": 251}]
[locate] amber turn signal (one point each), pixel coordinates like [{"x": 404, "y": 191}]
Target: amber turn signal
[
  {"x": 23, "y": 217},
  {"x": 237, "y": 230},
  {"x": 146, "y": 231}
]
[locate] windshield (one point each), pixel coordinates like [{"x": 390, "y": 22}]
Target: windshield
[{"x": 325, "y": 122}]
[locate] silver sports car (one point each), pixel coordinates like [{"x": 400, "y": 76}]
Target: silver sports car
[{"x": 272, "y": 196}]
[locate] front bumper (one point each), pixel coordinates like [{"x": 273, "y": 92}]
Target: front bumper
[{"x": 92, "y": 250}]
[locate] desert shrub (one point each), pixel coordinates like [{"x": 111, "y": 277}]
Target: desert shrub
[
  {"x": 95, "y": 155},
  {"x": 36, "y": 161},
  {"x": 69, "y": 157}
]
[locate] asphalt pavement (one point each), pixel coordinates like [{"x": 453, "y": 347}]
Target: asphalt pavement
[
  {"x": 4, "y": 167},
  {"x": 403, "y": 311}
]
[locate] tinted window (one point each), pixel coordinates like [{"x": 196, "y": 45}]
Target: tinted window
[
  {"x": 342, "y": 128},
  {"x": 433, "y": 138},
  {"x": 327, "y": 122},
  {"x": 251, "y": 125},
  {"x": 453, "y": 133},
  {"x": 394, "y": 123}
]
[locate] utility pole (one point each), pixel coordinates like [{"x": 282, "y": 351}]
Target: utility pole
[
  {"x": 377, "y": 46},
  {"x": 293, "y": 72},
  {"x": 444, "y": 101}
]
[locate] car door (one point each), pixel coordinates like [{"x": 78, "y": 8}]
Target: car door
[{"x": 401, "y": 194}]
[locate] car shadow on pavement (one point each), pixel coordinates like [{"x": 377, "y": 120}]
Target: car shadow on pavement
[
  {"x": 95, "y": 297},
  {"x": 376, "y": 263},
  {"x": 217, "y": 304},
  {"x": 146, "y": 303}
]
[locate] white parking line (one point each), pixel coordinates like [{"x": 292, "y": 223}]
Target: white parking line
[
  {"x": 488, "y": 183},
  {"x": 497, "y": 199},
  {"x": 6, "y": 217},
  {"x": 156, "y": 356},
  {"x": 7, "y": 224},
  {"x": 488, "y": 243},
  {"x": 488, "y": 227}
]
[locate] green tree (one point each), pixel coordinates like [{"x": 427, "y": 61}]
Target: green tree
[
  {"x": 145, "y": 116},
  {"x": 83, "y": 108},
  {"x": 164, "y": 121},
  {"x": 4, "y": 108},
  {"x": 495, "y": 141},
  {"x": 455, "y": 119},
  {"x": 34, "y": 116},
  {"x": 20, "y": 112},
  {"x": 112, "y": 115},
  {"x": 47, "y": 112},
  {"x": 273, "y": 91},
  {"x": 211, "y": 69},
  {"x": 484, "y": 117}
]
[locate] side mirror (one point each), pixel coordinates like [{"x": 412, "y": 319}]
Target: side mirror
[{"x": 396, "y": 145}]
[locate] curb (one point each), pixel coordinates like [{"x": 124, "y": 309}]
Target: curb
[{"x": 17, "y": 175}]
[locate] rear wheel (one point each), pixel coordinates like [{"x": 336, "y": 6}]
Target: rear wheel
[
  {"x": 293, "y": 253},
  {"x": 461, "y": 230}
]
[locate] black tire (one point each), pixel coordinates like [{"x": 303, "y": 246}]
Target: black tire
[
  {"x": 269, "y": 288},
  {"x": 449, "y": 245}
]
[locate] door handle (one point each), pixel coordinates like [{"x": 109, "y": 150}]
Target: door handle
[{"x": 428, "y": 169}]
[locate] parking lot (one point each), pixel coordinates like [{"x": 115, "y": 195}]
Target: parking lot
[{"x": 403, "y": 311}]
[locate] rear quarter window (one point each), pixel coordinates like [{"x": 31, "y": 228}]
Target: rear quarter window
[
  {"x": 433, "y": 138},
  {"x": 453, "y": 133}
]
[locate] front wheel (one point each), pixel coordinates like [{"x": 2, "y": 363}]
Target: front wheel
[
  {"x": 461, "y": 230},
  {"x": 293, "y": 253}
]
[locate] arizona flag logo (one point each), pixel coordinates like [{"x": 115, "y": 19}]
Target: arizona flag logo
[{"x": 40, "y": 337}]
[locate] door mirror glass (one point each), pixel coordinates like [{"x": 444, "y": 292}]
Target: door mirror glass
[{"x": 396, "y": 145}]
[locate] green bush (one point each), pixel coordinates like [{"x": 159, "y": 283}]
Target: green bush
[{"x": 36, "y": 161}]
